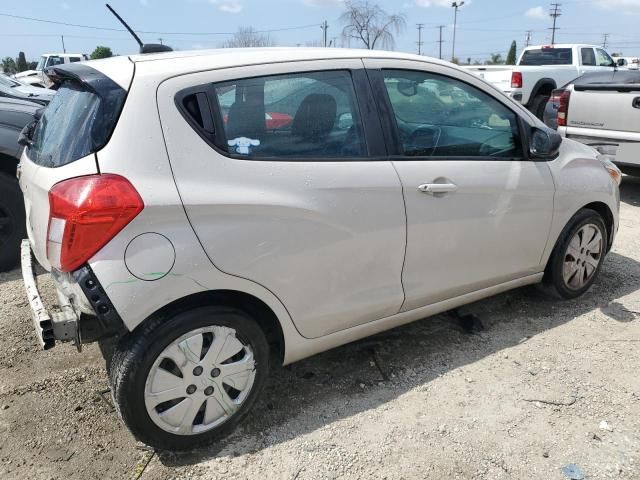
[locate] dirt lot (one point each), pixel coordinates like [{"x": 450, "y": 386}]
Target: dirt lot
[{"x": 545, "y": 385}]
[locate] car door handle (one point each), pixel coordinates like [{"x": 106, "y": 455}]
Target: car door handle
[
  {"x": 636, "y": 102},
  {"x": 434, "y": 188}
]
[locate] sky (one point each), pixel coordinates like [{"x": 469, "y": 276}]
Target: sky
[{"x": 484, "y": 26}]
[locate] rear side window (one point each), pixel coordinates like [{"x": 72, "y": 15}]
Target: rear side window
[
  {"x": 547, "y": 56},
  {"x": 588, "y": 57},
  {"x": 76, "y": 123},
  {"x": 289, "y": 116}
]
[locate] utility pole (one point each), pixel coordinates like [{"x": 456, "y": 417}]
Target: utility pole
[
  {"x": 555, "y": 13},
  {"x": 605, "y": 42},
  {"x": 64, "y": 50},
  {"x": 456, "y": 6},
  {"x": 527, "y": 41},
  {"x": 440, "y": 41},
  {"x": 420, "y": 26},
  {"x": 334, "y": 41},
  {"x": 324, "y": 28},
  {"x": 160, "y": 40}
]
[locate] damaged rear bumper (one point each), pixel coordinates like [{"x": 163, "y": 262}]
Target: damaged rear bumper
[
  {"x": 60, "y": 325},
  {"x": 84, "y": 313}
]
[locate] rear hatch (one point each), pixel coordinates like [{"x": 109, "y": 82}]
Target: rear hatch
[
  {"x": 76, "y": 124},
  {"x": 607, "y": 101}
]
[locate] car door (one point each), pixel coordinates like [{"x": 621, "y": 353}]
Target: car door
[
  {"x": 478, "y": 212},
  {"x": 283, "y": 174}
]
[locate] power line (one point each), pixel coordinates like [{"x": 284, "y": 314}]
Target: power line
[
  {"x": 94, "y": 27},
  {"x": 420, "y": 26},
  {"x": 555, "y": 13}
]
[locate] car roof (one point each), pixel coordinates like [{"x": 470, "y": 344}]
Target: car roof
[
  {"x": 562, "y": 45},
  {"x": 241, "y": 56}
]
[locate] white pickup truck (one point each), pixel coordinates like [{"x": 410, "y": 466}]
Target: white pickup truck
[
  {"x": 38, "y": 78},
  {"x": 603, "y": 110},
  {"x": 542, "y": 69}
]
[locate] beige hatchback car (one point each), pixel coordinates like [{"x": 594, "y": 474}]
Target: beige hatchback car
[{"x": 207, "y": 208}]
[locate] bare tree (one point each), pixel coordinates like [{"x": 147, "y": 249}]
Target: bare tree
[
  {"x": 370, "y": 24},
  {"x": 247, "y": 37}
]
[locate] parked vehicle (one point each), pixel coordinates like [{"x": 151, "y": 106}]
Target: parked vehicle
[
  {"x": 38, "y": 77},
  {"x": 402, "y": 187},
  {"x": 14, "y": 115},
  {"x": 542, "y": 69},
  {"x": 602, "y": 110},
  {"x": 630, "y": 63},
  {"x": 13, "y": 88}
]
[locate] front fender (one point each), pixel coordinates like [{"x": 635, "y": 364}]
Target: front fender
[{"x": 580, "y": 180}]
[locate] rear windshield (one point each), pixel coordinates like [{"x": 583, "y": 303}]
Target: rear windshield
[
  {"x": 76, "y": 123},
  {"x": 547, "y": 56}
]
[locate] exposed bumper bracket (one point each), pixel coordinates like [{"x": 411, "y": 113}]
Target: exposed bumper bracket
[{"x": 61, "y": 325}]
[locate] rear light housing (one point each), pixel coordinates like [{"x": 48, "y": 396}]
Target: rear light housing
[
  {"x": 561, "y": 98},
  {"x": 516, "y": 79},
  {"x": 85, "y": 213}
]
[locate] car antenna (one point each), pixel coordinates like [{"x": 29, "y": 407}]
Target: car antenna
[{"x": 144, "y": 47}]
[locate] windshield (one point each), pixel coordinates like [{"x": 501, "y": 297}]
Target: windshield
[
  {"x": 547, "y": 56},
  {"x": 40, "y": 65}
]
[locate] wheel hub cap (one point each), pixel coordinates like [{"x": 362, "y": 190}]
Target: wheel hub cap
[
  {"x": 583, "y": 256},
  {"x": 182, "y": 394}
]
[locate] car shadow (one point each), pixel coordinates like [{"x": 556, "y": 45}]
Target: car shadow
[{"x": 364, "y": 375}]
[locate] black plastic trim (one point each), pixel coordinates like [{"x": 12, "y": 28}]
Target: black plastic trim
[{"x": 106, "y": 322}]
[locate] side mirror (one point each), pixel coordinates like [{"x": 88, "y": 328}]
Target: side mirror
[
  {"x": 345, "y": 121},
  {"x": 25, "y": 138},
  {"x": 544, "y": 143},
  {"x": 407, "y": 88}
]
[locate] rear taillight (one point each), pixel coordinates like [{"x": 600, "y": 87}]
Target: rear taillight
[
  {"x": 561, "y": 98},
  {"x": 516, "y": 79},
  {"x": 85, "y": 213}
]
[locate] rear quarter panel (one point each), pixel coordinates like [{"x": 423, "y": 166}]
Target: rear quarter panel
[{"x": 137, "y": 152}]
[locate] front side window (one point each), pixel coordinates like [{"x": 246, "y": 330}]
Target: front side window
[
  {"x": 603, "y": 59},
  {"x": 588, "y": 57},
  {"x": 295, "y": 115},
  {"x": 438, "y": 116}
]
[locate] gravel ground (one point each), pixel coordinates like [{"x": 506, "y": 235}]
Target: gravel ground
[{"x": 545, "y": 385}]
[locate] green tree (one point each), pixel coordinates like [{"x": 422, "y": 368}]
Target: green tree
[
  {"x": 101, "y": 52},
  {"x": 9, "y": 65},
  {"x": 21, "y": 63},
  {"x": 511, "y": 56},
  {"x": 496, "y": 59}
]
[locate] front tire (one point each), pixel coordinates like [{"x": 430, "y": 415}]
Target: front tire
[
  {"x": 578, "y": 255},
  {"x": 185, "y": 381}
]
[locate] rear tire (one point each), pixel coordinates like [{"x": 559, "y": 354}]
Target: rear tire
[
  {"x": 12, "y": 222},
  {"x": 173, "y": 388},
  {"x": 538, "y": 105},
  {"x": 578, "y": 256}
]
